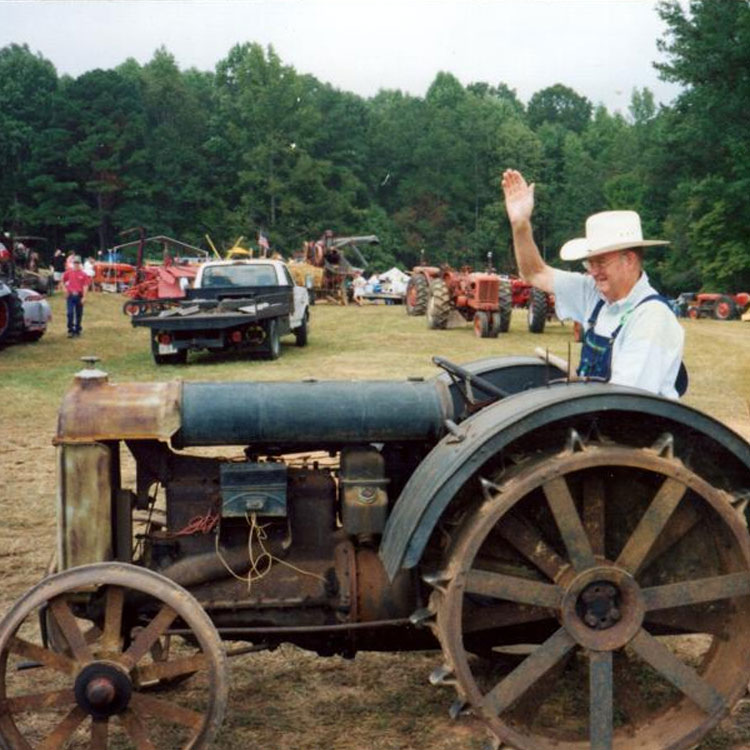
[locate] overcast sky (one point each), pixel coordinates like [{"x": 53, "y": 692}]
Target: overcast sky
[{"x": 603, "y": 49}]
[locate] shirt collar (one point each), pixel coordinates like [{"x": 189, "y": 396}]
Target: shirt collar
[{"x": 640, "y": 289}]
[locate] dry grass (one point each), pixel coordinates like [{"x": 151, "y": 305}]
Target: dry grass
[{"x": 289, "y": 698}]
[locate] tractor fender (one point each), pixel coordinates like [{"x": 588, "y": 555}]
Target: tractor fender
[{"x": 544, "y": 414}]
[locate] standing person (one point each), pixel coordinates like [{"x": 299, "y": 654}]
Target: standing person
[
  {"x": 75, "y": 281},
  {"x": 631, "y": 336},
  {"x": 58, "y": 267},
  {"x": 358, "y": 288}
]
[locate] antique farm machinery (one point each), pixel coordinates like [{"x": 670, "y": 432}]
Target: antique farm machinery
[{"x": 576, "y": 554}]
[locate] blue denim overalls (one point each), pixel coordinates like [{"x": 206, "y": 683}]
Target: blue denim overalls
[{"x": 596, "y": 354}]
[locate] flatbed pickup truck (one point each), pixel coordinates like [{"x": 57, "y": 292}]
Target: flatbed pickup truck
[{"x": 233, "y": 305}]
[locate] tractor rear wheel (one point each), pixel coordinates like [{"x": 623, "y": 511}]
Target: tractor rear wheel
[
  {"x": 11, "y": 319},
  {"x": 725, "y": 309},
  {"x": 109, "y": 673},
  {"x": 537, "y": 310},
  {"x": 417, "y": 295},
  {"x": 505, "y": 307},
  {"x": 481, "y": 324},
  {"x": 439, "y": 305},
  {"x": 618, "y": 581}
]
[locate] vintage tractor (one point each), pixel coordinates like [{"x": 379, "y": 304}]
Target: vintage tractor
[
  {"x": 483, "y": 298},
  {"x": 539, "y": 305},
  {"x": 327, "y": 267},
  {"x": 577, "y": 554},
  {"x": 713, "y": 305}
]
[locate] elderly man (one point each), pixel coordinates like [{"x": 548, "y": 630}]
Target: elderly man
[{"x": 631, "y": 335}]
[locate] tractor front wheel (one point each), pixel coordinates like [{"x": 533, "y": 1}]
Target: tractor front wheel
[
  {"x": 11, "y": 319},
  {"x": 482, "y": 324},
  {"x": 725, "y": 309},
  {"x": 537, "y": 310}
]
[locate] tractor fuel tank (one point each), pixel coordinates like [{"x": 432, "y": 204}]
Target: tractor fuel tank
[{"x": 312, "y": 412}]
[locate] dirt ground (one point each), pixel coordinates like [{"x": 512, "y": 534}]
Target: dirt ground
[{"x": 288, "y": 698}]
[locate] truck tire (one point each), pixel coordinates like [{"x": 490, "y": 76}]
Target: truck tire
[
  {"x": 11, "y": 319},
  {"x": 273, "y": 342},
  {"x": 724, "y": 309},
  {"x": 177, "y": 358},
  {"x": 537, "y": 310},
  {"x": 439, "y": 305},
  {"x": 300, "y": 333},
  {"x": 417, "y": 295}
]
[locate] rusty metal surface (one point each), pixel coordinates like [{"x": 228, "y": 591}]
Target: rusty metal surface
[
  {"x": 579, "y": 528},
  {"x": 98, "y": 410},
  {"x": 84, "y": 507}
]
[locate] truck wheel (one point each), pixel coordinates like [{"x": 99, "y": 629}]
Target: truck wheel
[
  {"x": 537, "y": 310},
  {"x": 417, "y": 295},
  {"x": 11, "y": 319},
  {"x": 110, "y": 617},
  {"x": 439, "y": 305},
  {"x": 481, "y": 324},
  {"x": 725, "y": 309},
  {"x": 273, "y": 342},
  {"x": 300, "y": 333},
  {"x": 616, "y": 568}
]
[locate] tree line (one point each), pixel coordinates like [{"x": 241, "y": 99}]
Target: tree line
[{"x": 257, "y": 145}]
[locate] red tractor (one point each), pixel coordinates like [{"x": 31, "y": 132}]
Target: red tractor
[
  {"x": 713, "y": 305},
  {"x": 539, "y": 304},
  {"x": 483, "y": 298}
]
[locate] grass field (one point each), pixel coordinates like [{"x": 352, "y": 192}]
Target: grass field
[{"x": 289, "y": 698}]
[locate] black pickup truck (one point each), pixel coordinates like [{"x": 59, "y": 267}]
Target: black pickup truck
[{"x": 233, "y": 305}]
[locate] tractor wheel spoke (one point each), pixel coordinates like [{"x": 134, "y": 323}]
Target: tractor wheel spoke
[
  {"x": 593, "y": 512},
  {"x": 148, "y": 705},
  {"x": 684, "y": 678},
  {"x": 164, "y": 670},
  {"x": 601, "y": 713},
  {"x": 59, "y": 736},
  {"x": 528, "y": 672},
  {"x": 148, "y": 636},
  {"x": 99, "y": 734},
  {"x": 115, "y": 599},
  {"x": 697, "y": 591},
  {"x": 569, "y": 523},
  {"x": 650, "y": 526},
  {"x": 52, "y": 659},
  {"x": 66, "y": 621},
  {"x": 136, "y": 730},
  {"x": 529, "y": 542},
  {"x": 513, "y": 588},
  {"x": 47, "y": 700}
]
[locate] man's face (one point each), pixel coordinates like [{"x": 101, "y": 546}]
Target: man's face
[{"x": 611, "y": 273}]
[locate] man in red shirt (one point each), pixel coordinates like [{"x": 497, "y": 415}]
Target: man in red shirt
[{"x": 75, "y": 281}]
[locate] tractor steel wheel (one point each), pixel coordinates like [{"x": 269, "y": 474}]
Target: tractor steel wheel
[
  {"x": 108, "y": 681},
  {"x": 725, "y": 309},
  {"x": 439, "y": 305},
  {"x": 481, "y": 324},
  {"x": 618, "y": 580},
  {"x": 417, "y": 295},
  {"x": 537, "y": 310}
]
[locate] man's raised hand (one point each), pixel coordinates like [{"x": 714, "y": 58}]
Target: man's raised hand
[{"x": 519, "y": 196}]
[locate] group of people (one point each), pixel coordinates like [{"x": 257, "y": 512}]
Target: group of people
[{"x": 74, "y": 280}]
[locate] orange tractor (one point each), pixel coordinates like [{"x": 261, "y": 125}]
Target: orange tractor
[
  {"x": 483, "y": 298},
  {"x": 713, "y": 305}
]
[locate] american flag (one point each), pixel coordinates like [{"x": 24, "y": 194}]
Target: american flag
[{"x": 263, "y": 242}]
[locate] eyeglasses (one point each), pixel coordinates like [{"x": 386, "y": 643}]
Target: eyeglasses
[{"x": 600, "y": 264}]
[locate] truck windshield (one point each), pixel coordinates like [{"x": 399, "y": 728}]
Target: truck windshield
[{"x": 239, "y": 275}]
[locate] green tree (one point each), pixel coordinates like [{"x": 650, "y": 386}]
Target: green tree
[{"x": 559, "y": 105}]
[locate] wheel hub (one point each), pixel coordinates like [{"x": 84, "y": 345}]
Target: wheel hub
[
  {"x": 102, "y": 690},
  {"x": 603, "y": 608},
  {"x": 599, "y": 605}
]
